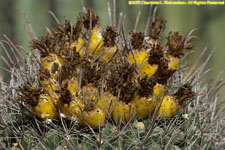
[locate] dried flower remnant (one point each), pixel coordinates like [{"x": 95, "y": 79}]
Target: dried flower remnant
[
  {"x": 110, "y": 48},
  {"x": 41, "y": 103},
  {"x": 70, "y": 105},
  {"x": 94, "y": 116},
  {"x": 158, "y": 26}
]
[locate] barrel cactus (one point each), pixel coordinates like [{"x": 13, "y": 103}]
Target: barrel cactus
[{"x": 83, "y": 86}]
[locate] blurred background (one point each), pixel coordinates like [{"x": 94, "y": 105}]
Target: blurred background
[{"x": 210, "y": 21}]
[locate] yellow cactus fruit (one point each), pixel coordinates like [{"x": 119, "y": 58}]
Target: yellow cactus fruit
[
  {"x": 140, "y": 125},
  {"x": 53, "y": 64},
  {"x": 148, "y": 70},
  {"x": 79, "y": 44},
  {"x": 169, "y": 107},
  {"x": 158, "y": 90},
  {"x": 89, "y": 93},
  {"x": 94, "y": 117},
  {"x": 71, "y": 85},
  {"x": 45, "y": 108},
  {"x": 73, "y": 108},
  {"x": 96, "y": 40},
  {"x": 124, "y": 112},
  {"x": 140, "y": 57},
  {"x": 107, "y": 54},
  {"x": 173, "y": 62},
  {"x": 144, "y": 106},
  {"x": 142, "y": 63},
  {"x": 106, "y": 102}
]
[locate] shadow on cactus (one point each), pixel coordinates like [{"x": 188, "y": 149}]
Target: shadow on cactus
[{"x": 86, "y": 87}]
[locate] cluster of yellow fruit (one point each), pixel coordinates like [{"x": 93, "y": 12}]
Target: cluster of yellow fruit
[{"x": 95, "y": 77}]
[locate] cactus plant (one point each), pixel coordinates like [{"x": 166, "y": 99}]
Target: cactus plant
[{"x": 109, "y": 90}]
